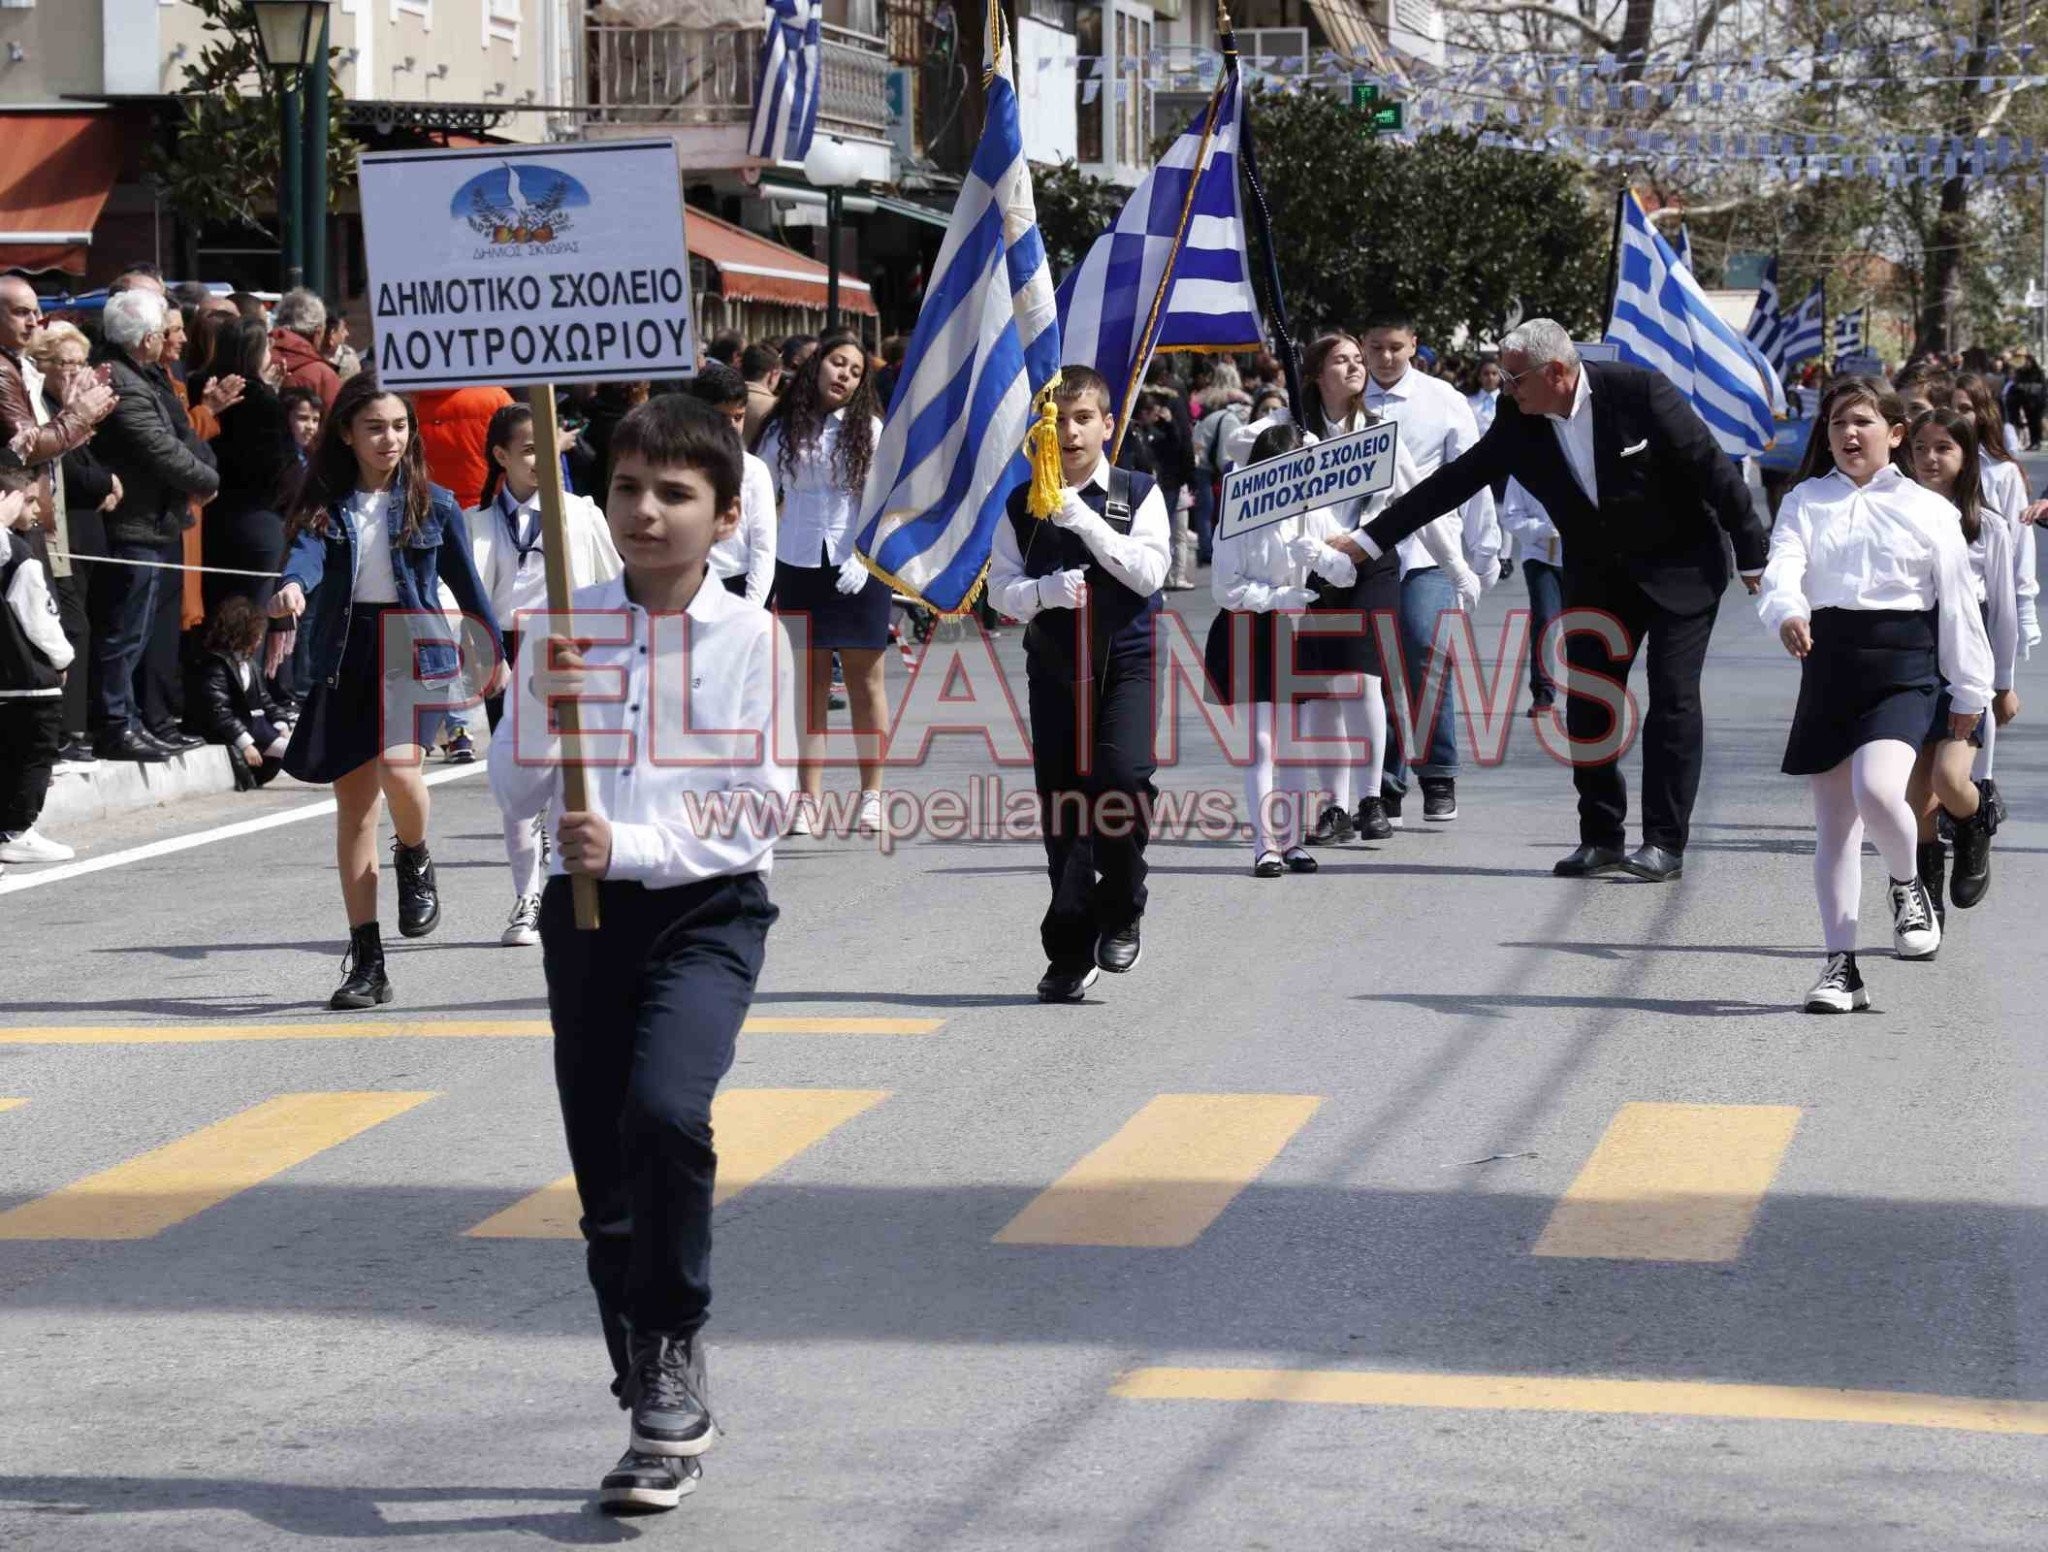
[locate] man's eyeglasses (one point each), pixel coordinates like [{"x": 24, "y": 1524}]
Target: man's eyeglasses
[{"x": 1509, "y": 379}]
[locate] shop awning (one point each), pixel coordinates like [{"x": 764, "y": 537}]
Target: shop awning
[
  {"x": 55, "y": 176},
  {"x": 756, "y": 269}
]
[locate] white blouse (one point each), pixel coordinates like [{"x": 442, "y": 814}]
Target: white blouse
[
  {"x": 369, "y": 514},
  {"x": 2005, "y": 492},
  {"x": 1887, "y": 544},
  {"x": 819, "y": 516}
]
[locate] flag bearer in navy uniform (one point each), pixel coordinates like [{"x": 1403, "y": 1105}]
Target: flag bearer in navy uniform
[
  {"x": 1086, "y": 582},
  {"x": 680, "y": 832}
]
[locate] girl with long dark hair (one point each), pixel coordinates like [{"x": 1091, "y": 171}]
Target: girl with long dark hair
[
  {"x": 818, "y": 442},
  {"x": 371, "y": 540},
  {"x": 1869, "y": 586},
  {"x": 244, "y": 526}
]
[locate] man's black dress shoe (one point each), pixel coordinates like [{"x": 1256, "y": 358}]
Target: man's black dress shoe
[
  {"x": 1066, "y": 983},
  {"x": 1656, "y": 864},
  {"x": 1118, "y": 951},
  {"x": 1590, "y": 861}
]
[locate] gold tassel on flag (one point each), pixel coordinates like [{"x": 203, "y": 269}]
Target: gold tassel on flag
[{"x": 1048, "y": 479}]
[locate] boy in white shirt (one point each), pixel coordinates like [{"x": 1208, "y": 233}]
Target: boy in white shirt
[
  {"x": 685, "y": 700},
  {"x": 745, "y": 560}
]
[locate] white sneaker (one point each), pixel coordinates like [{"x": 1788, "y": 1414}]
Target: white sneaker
[
  {"x": 1839, "y": 989},
  {"x": 1916, "y": 930},
  {"x": 800, "y": 820},
  {"x": 28, "y": 846},
  {"x": 870, "y": 813},
  {"x": 522, "y": 928}
]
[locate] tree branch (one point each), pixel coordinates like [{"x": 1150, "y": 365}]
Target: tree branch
[{"x": 1550, "y": 14}]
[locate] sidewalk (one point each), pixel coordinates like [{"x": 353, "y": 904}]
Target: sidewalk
[{"x": 82, "y": 792}]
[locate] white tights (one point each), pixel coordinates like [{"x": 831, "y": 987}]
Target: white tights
[
  {"x": 1272, "y": 793},
  {"x": 1865, "y": 794},
  {"x": 1355, "y": 720},
  {"x": 522, "y": 853}
]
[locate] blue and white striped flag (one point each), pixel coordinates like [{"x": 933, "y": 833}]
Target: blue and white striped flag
[
  {"x": 1805, "y": 330},
  {"x": 786, "y": 86},
  {"x": 1849, "y": 333},
  {"x": 987, "y": 340},
  {"x": 1662, "y": 320},
  {"x": 1175, "y": 260},
  {"x": 1767, "y": 319}
]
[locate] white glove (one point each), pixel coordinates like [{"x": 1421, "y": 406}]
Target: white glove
[
  {"x": 853, "y": 576},
  {"x": 1063, "y": 590},
  {"x": 1291, "y": 598},
  {"x": 1325, "y": 560},
  {"x": 1467, "y": 584},
  {"x": 1073, "y": 511}
]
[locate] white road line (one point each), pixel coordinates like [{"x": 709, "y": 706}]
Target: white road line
[{"x": 16, "y": 880}]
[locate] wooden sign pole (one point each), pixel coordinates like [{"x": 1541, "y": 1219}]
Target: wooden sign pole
[{"x": 555, "y": 554}]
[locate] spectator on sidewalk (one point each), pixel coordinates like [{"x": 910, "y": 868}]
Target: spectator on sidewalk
[
  {"x": 33, "y": 657},
  {"x": 161, "y": 464},
  {"x": 299, "y": 326},
  {"x": 225, "y": 699},
  {"x": 244, "y": 526},
  {"x": 454, "y": 424}
]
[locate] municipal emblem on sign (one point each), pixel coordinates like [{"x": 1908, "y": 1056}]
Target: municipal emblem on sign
[{"x": 520, "y": 209}]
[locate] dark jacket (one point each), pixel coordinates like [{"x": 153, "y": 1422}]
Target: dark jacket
[
  {"x": 36, "y": 447},
  {"x": 218, "y": 706},
  {"x": 255, "y": 452},
  {"x": 1667, "y": 492},
  {"x": 304, "y": 366},
  {"x": 150, "y": 443},
  {"x": 438, "y": 552}
]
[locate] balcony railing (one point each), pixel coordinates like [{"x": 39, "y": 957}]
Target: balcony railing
[{"x": 695, "y": 75}]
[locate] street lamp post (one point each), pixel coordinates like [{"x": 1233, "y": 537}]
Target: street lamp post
[
  {"x": 833, "y": 166},
  {"x": 291, "y": 38}
]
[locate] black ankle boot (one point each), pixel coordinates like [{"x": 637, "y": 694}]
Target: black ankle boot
[
  {"x": 1933, "y": 866},
  {"x": 419, "y": 902},
  {"x": 1972, "y": 877},
  {"x": 363, "y": 982}
]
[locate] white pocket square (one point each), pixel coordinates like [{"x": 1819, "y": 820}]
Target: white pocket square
[{"x": 1630, "y": 452}]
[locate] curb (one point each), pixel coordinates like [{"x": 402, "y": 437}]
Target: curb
[{"x": 79, "y": 793}]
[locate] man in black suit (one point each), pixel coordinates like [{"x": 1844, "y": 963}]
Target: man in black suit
[{"x": 1641, "y": 495}]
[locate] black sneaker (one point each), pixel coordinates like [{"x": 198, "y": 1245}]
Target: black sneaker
[
  {"x": 1439, "y": 799},
  {"x": 1390, "y": 805},
  {"x": 1971, "y": 880},
  {"x": 1066, "y": 982},
  {"x": 460, "y": 749},
  {"x": 665, "y": 1389},
  {"x": 1931, "y": 860},
  {"x": 1991, "y": 802},
  {"x": 641, "y": 1481},
  {"x": 1119, "y": 951},
  {"x": 419, "y": 902},
  {"x": 363, "y": 981},
  {"x": 1333, "y": 828},
  {"x": 1839, "y": 989},
  {"x": 1373, "y": 823}
]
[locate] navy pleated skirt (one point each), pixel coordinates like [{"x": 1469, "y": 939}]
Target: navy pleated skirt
[
  {"x": 343, "y": 726},
  {"x": 1873, "y": 674},
  {"x": 854, "y": 622}
]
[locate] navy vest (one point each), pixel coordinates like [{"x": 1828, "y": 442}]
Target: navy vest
[{"x": 1120, "y": 620}]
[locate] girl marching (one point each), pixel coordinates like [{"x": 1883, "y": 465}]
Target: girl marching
[
  {"x": 818, "y": 442},
  {"x": 511, "y": 558},
  {"x": 1945, "y": 451},
  {"x": 1869, "y": 586},
  {"x": 367, "y": 524}
]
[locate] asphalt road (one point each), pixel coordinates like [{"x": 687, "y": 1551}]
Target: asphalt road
[{"x": 1427, "y": 1202}]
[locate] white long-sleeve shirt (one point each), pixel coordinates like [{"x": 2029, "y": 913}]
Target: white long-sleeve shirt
[
  {"x": 1138, "y": 559},
  {"x": 819, "y": 517},
  {"x": 686, "y": 722},
  {"x": 1991, "y": 564},
  {"x": 1536, "y": 537},
  {"x": 1887, "y": 544},
  {"x": 28, "y": 595},
  {"x": 1437, "y": 425},
  {"x": 512, "y": 561},
  {"x": 750, "y": 552},
  {"x": 2004, "y": 491}
]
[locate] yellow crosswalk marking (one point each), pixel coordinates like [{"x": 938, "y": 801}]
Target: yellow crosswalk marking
[
  {"x": 1672, "y": 1183},
  {"x": 10, "y": 1104},
  {"x": 757, "y": 1131},
  {"x": 167, "y": 1185},
  {"x": 459, "y": 1029},
  {"x": 1546, "y": 1393},
  {"x": 1167, "y": 1174}
]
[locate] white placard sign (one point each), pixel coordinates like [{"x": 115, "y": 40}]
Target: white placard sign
[
  {"x": 527, "y": 264},
  {"x": 1359, "y": 463}
]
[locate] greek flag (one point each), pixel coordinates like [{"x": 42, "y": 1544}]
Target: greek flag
[
  {"x": 1849, "y": 333},
  {"x": 987, "y": 339},
  {"x": 1172, "y": 273},
  {"x": 786, "y": 87},
  {"x": 1766, "y": 320},
  {"x": 1683, "y": 246},
  {"x": 1662, "y": 320},
  {"x": 1805, "y": 331}
]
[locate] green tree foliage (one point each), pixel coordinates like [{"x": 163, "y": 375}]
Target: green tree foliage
[
  {"x": 1073, "y": 210},
  {"x": 1446, "y": 230},
  {"x": 221, "y": 164}
]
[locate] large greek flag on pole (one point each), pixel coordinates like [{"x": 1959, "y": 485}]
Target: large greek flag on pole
[
  {"x": 1849, "y": 333},
  {"x": 1661, "y": 319},
  {"x": 786, "y": 86},
  {"x": 1767, "y": 319},
  {"x": 1805, "y": 330},
  {"x": 987, "y": 339},
  {"x": 1172, "y": 273}
]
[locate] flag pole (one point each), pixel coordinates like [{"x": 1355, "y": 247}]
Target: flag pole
[
  {"x": 1276, "y": 303},
  {"x": 1614, "y": 267}
]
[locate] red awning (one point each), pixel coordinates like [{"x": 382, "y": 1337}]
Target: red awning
[
  {"x": 56, "y": 174},
  {"x": 756, "y": 269}
]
